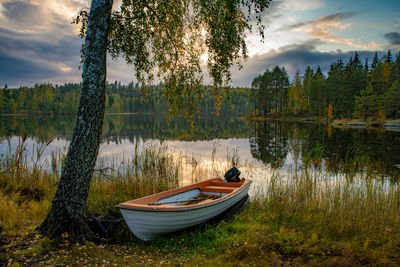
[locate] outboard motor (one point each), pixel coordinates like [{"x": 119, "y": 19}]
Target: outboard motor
[{"x": 232, "y": 175}]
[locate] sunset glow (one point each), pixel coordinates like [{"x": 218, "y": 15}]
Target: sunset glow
[{"x": 39, "y": 34}]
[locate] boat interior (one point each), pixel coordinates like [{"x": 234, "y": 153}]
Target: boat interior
[{"x": 200, "y": 193}]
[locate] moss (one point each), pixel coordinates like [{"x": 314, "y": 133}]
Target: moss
[{"x": 42, "y": 247}]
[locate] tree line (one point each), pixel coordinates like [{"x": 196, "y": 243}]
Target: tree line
[
  {"x": 352, "y": 90},
  {"x": 64, "y": 99}
]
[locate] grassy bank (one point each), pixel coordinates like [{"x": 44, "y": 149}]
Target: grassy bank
[{"x": 308, "y": 218}]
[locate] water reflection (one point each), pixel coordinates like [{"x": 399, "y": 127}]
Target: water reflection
[
  {"x": 270, "y": 143},
  {"x": 340, "y": 149},
  {"x": 258, "y": 147}
]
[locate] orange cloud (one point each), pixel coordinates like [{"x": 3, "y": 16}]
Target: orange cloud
[{"x": 322, "y": 28}]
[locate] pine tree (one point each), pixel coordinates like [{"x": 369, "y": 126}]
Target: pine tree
[
  {"x": 35, "y": 100},
  {"x": 281, "y": 81},
  {"x": 375, "y": 61},
  {"x": 308, "y": 77},
  {"x": 335, "y": 86},
  {"x": 390, "y": 101},
  {"x": 354, "y": 83},
  {"x": 366, "y": 105},
  {"x": 2, "y": 102},
  {"x": 48, "y": 99},
  {"x": 256, "y": 85},
  {"x": 317, "y": 101},
  {"x": 296, "y": 96},
  {"x": 388, "y": 57},
  {"x": 395, "y": 69},
  {"x": 12, "y": 107},
  {"x": 356, "y": 60}
]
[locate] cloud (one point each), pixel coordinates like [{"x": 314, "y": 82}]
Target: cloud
[
  {"x": 22, "y": 13},
  {"x": 393, "y": 38},
  {"x": 292, "y": 57},
  {"x": 26, "y": 59},
  {"x": 336, "y": 17},
  {"x": 322, "y": 28},
  {"x": 269, "y": 15},
  {"x": 304, "y": 5},
  {"x": 38, "y": 42},
  {"x": 24, "y": 45},
  {"x": 33, "y": 71}
]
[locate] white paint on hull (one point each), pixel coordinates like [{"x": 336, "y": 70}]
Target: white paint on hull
[{"x": 148, "y": 224}]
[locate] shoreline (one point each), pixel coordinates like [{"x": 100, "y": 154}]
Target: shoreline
[{"x": 387, "y": 125}]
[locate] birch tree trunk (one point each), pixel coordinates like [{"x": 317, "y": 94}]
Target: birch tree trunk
[{"x": 68, "y": 212}]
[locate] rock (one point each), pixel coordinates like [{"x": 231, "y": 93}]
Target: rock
[
  {"x": 391, "y": 125},
  {"x": 355, "y": 124},
  {"x": 234, "y": 244}
]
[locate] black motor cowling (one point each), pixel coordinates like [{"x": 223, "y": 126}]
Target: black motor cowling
[{"x": 232, "y": 175}]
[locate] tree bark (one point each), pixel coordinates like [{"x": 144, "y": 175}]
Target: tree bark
[{"x": 69, "y": 213}]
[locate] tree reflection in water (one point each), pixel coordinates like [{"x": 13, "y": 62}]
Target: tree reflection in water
[{"x": 273, "y": 144}]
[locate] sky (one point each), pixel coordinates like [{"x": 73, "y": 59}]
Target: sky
[{"x": 38, "y": 43}]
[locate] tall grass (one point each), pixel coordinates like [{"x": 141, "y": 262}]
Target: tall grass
[
  {"x": 319, "y": 219},
  {"x": 196, "y": 170},
  {"x": 26, "y": 189},
  {"x": 310, "y": 217},
  {"x": 151, "y": 170}
]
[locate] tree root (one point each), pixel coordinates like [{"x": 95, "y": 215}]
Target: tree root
[
  {"x": 68, "y": 220},
  {"x": 74, "y": 230},
  {"x": 76, "y": 224}
]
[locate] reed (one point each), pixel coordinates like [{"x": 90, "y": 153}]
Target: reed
[
  {"x": 315, "y": 216},
  {"x": 151, "y": 170},
  {"x": 26, "y": 190},
  {"x": 319, "y": 219}
]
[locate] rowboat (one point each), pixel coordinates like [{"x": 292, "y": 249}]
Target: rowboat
[{"x": 180, "y": 208}]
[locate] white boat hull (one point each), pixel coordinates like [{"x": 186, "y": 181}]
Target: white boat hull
[{"x": 147, "y": 224}]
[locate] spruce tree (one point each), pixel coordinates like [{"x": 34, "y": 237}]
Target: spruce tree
[
  {"x": 390, "y": 101},
  {"x": 308, "y": 77},
  {"x": 388, "y": 57},
  {"x": 296, "y": 96},
  {"x": 375, "y": 61},
  {"x": 335, "y": 87},
  {"x": 366, "y": 105},
  {"x": 2, "y": 102}
]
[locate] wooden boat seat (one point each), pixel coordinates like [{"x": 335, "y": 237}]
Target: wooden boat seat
[
  {"x": 174, "y": 210},
  {"x": 217, "y": 189}
]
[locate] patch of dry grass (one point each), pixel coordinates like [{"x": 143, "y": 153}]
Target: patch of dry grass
[{"x": 310, "y": 218}]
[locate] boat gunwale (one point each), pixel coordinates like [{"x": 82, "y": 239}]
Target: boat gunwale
[{"x": 198, "y": 206}]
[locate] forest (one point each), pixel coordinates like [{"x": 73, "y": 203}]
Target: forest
[
  {"x": 352, "y": 90},
  {"x": 64, "y": 99}
]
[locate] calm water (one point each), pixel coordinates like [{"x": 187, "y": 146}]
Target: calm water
[{"x": 258, "y": 147}]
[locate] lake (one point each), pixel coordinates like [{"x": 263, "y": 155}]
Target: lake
[{"x": 258, "y": 148}]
